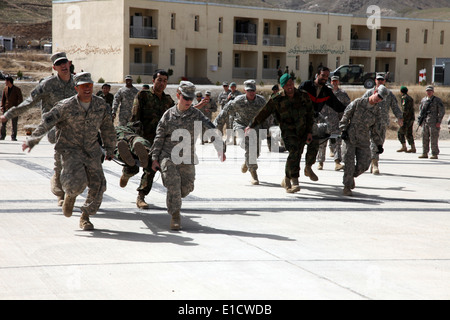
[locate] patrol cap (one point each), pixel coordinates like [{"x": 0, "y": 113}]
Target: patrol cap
[
  {"x": 380, "y": 76},
  {"x": 382, "y": 92},
  {"x": 250, "y": 85},
  {"x": 59, "y": 56},
  {"x": 224, "y": 83},
  {"x": 233, "y": 84},
  {"x": 128, "y": 78},
  {"x": 430, "y": 88},
  {"x": 334, "y": 78},
  {"x": 198, "y": 94},
  {"x": 82, "y": 78},
  {"x": 207, "y": 93},
  {"x": 187, "y": 89}
]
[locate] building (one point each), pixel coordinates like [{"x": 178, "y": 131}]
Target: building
[{"x": 213, "y": 42}]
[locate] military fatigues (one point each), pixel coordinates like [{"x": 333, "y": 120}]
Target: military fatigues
[
  {"x": 230, "y": 119},
  {"x": 208, "y": 109},
  {"x": 48, "y": 92},
  {"x": 178, "y": 173},
  {"x": 405, "y": 132},
  {"x": 389, "y": 102},
  {"x": 296, "y": 118},
  {"x": 332, "y": 118},
  {"x": 243, "y": 112},
  {"x": 222, "y": 100},
  {"x": 435, "y": 115},
  {"x": 77, "y": 143},
  {"x": 361, "y": 122},
  {"x": 147, "y": 110},
  {"x": 124, "y": 99}
]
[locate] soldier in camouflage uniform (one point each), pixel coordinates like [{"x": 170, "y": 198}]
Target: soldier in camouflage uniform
[
  {"x": 333, "y": 118},
  {"x": 177, "y": 164},
  {"x": 389, "y": 102},
  {"x": 148, "y": 108},
  {"x": 230, "y": 136},
  {"x": 294, "y": 112},
  {"x": 434, "y": 112},
  {"x": 78, "y": 120},
  {"x": 244, "y": 108},
  {"x": 360, "y": 124},
  {"x": 206, "y": 105},
  {"x": 45, "y": 95},
  {"x": 405, "y": 132},
  {"x": 124, "y": 99}
]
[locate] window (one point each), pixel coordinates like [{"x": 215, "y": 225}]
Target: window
[
  {"x": 197, "y": 23},
  {"x": 407, "y": 36},
  {"x": 406, "y": 61},
  {"x": 237, "y": 60},
  {"x": 425, "y": 36},
  {"x": 299, "y": 29},
  {"x": 266, "y": 28},
  {"x": 266, "y": 61},
  {"x": 172, "y": 21},
  {"x": 339, "y": 33},
  {"x": 441, "y": 41},
  {"x": 137, "y": 55},
  {"x": 219, "y": 59},
  {"x": 297, "y": 63},
  {"x": 172, "y": 57},
  {"x": 220, "y": 25},
  {"x": 319, "y": 30}
]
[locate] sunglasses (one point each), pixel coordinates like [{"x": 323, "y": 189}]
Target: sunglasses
[
  {"x": 60, "y": 62},
  {"x": 187, "y": 98}
]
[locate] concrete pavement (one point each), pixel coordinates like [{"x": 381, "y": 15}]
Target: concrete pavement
[{"x": 391, "y": 240}]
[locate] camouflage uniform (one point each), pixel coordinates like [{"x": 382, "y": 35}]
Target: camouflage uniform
[
  {"x": 45, "y": 95},
  {"x": 124, "y": 98},
  {"x": 361, "y": 122},
  {"x": 222, "y": 99},
  {"x": 77, "y": 143},
  {"x": 435, "y": 115},
  {"x": 384, "y": 105},
  {"x": 243, "y": 112},
  {"x": 405, "y": 132},
  {"x": 147, "y": 110},
  {"x": 178, "y": 174},
  {"x": 296, "y": 118},
  {"x": 230, "y": 119},
  {"x": 209, "y": 108}
]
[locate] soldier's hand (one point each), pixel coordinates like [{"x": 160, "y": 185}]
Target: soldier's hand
[
  {"x": 109, "y": 158},
  {"x": 400, "y": 122},
  {"x": 247, "y": 130},
  {"x": 25, "y": 146},
  {"x": 156, "y": 166},
  {"x": 380, "y": 149},
  {"x": 3, "y": 118},
  {"x": 222, "y": 156},
  {"x": 438, "y": 125},
  {"x": 344, "y": 135}
]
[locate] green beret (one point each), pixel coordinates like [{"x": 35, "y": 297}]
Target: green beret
[
  {"x": 284, "y": 79},
  {"x": 403, "y": 89}
]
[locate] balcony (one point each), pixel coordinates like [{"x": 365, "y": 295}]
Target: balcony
[
  {"x": 244, "y": 38},
  {"x": 388, "y": 46},
  {"x": 146, "y": 69},
  {"x": 244, "y": 73},
  {"x": 143, "y": 32},
  {"x": 269, "y": 73},
  {"x": 274, "y": 40},
  {"x": 363, "y": 44}
]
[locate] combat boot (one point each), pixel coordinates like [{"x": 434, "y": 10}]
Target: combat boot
[
  {"x": 175, "y": 222},
  {"x": 347, "y": 192},
  {"x": 124, "y": 180},
  {"x": 140, "y": 201},
  {"x": 244, "y": 168},
  {"x": 68, "y": 204},
  {"x": 286, "y": 183},
  {"x": 310, "y": 173},
  {"x": 338, "y": 166},
  {"x": 403, "y": 148},
  {"x": 375, "y": 169},
  {"x": 423, "y": 156},
  {"x": 85, "y": 223},
  {"x": 295, "y": 187},
  {"x": 125, "y": 153},
  {"x": 255, "y": 180},
  {"x": 412, "y": 150},
  {"x": 434, "y": 156},
  {"x": 320, "y": 166},
  {"x": 141, "y": 151}
]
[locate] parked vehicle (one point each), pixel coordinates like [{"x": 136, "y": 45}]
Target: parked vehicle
[{"x": 354, "y": 74}]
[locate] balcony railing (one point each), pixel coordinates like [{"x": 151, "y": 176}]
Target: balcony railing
[
  {"x": 244, "y": 38},
  {"x": 386, "y": 46},
  {"x": 363, "y": 44},
  {"x": 144, "y": 32},
  {"x": 143, "y": 68},
  {"x": 244, "y": 73},
  {"x": 274, "y": 40},
  {"x": 269, "y": 73}
]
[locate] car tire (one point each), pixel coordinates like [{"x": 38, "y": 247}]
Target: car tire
[{"x": 369, "y": 83}]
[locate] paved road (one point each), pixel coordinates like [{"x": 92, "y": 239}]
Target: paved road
[{"x": 390, "y": 240}]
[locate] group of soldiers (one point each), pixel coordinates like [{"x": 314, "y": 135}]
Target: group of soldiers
[{"x": 158, "y": 134}]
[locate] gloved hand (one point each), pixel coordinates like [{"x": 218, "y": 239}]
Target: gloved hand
[
  {"x": 380, "y": 149},
  {"x": 344, "y": 135}
]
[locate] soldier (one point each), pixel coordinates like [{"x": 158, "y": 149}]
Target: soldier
[
  {"x": 124, "y": 99},
  {"x": 138, "y": 136},
  {"x": 230, "y": 136},
  {"x": 243, "y": 109},
  {"x": 320, "y": 94},
  {"x": 178, "y": 172},
  {"x": 405, "y": 132},
  {"x": 49, "y": 91},
  {"x": 433, "y": 110},
  {"x": 11, "y": 97},
  {"x": 223, "y": 96},
  {"x": 78, "y": 120},
  {"x": 332, "y": 118},
  {"x": 389, "y": 102},
  {"x": 294, "y": 112},
  {"x": 360, "y": 124},
  {"x": 105, "y": 94}
]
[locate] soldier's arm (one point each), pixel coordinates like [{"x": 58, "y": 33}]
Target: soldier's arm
[
  {"x": 394, "y": 106},
  {"x": 335, "y": 104},
  {"x": 441, "y": 110},
  {"x": 36, "y": 96},
  {"x": 348, "y": 114},
  {"x": 136, "y": 110},
  {"x": 223, "y": 115},
  {"x": 108, "y": 134},
  {"x": 263, "y": 114},
  {"x": 116, "y": 102},
  {"x": 158, "y": 143}
]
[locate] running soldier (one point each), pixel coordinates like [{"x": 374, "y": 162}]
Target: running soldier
[
  {"x": 48, "y": 92},
  {"x": 405, "y": 132},
  {"x": 124, "y": 99},
  {"x": 294, "y": 112},
  {"x": 243, "y": 109},
  {"x": 433, "y": 111},
  {"x": 78, "y": 121},
  {"x": 360, "y": 124},
  {"x": 178, "y": 166}
]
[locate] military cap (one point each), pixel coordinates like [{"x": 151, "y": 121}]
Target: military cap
[
  {"x": 187, "y": 89},
  {"x": 82, "y": 78},
  {"x": 128, "y": 78},
  {"x": 250, "y": 85},
  {"x": 430, "y": 88},
  {"x": 284, "y": 79},
  {"x": 207, "y": 93},
  {"x": 58, "y": 57},
  {"x": 403, "y": 89},
  {"x": 333, "y": 78},
  {"x": 382, "y": 92},
  {"x": 233, "y": 84},
  {"x": 224, "y": 83},
  {"x": 198, "y": 94},
  {"x": 146, "y": 86},
  {"x": 380, "y": 76}
]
